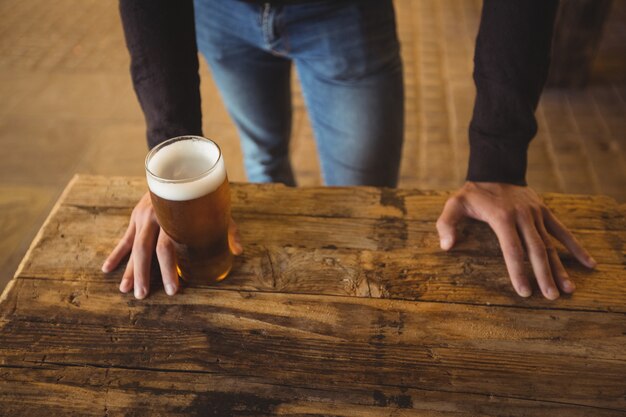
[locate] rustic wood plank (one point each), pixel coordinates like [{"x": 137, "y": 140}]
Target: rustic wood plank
[
  {"x": 564, "y": 356},
  {"x": 321, "y": 341},
  {"x": 102, "y": 227},
  {"x": 291, "y": 361},
  {"x": 94, "y": 190},
  {"x": 22, "y": 210},
  {"x": 100, "y": 191},
  {"x": 399, "y": 276},
  {"x": 38, "y": 237},
  {"x": 97, "y": 391},
  {"x": 392, "y": 258},
  {"x": 576, "y": 211},
  {"x": 111, "y": 390}
]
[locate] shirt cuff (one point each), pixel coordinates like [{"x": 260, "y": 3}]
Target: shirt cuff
[{"x": 496, "y": 160}]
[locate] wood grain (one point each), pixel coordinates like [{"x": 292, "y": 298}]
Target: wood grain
[
  {"x": 576, "y": 211},
  {"x": 321, "y": 341},
  {"x": 377, "y": 253},
  {"x": 22, "y": 210},
  {"x": 342, "y": 305},
  {"x": 139, "y": 392}
]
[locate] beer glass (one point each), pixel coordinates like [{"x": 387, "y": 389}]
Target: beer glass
[{"x": 190, "y": 194}]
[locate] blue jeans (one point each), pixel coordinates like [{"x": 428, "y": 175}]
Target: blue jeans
[{"x": 348, "y": 60}]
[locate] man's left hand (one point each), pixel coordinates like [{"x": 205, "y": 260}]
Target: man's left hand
[{"x": 520, "y": 220}]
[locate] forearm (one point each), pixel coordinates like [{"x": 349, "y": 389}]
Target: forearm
[
  {"x": 510, "y": 68},
  {"x": 160, "y": 36}
]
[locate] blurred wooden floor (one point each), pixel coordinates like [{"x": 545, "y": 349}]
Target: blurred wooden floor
[{"x": 67, "y": 106}]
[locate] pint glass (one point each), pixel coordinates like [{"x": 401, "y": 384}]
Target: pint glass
[{"x": 190, "y": 194}]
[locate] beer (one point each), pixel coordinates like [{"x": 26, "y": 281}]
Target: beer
[{"x": 190, "y": 194}]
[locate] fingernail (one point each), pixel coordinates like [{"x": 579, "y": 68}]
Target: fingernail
[
  {"x": 569, "y": 285},
  {"x": 238, "y": 245},
  {"x": 592, "y": 262},
  {"x": 170, "y": 289},
  {"x": 105, "y": 267},
  {"x": 524, "y": 291},
  {"x": 553, "y": 294},
  {"x": 140, "y": 293},
  {"x": 446, "y": 243}
]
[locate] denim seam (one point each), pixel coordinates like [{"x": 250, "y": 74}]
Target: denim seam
[
  {"x": 266, "y": 25},
  {"x": 285, "y": 35}
]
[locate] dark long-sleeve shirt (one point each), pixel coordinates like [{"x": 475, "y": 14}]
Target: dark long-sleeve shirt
[{"x": 511, "y": 66}]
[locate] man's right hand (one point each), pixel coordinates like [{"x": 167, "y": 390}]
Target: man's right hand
[{"x": 142, "y": 237}]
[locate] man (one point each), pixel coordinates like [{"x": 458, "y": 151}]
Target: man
[{"x": 347, "y": 56}]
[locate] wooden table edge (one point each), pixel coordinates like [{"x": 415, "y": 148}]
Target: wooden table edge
[{"x": 57, "y": 204}]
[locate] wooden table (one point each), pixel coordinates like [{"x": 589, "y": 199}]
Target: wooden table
[{"x": 342, "y": 305}]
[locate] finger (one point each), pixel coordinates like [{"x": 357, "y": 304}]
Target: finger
[
  {"x": 559, "y": 231},
  {"x": 538, "y": 255},
  {"x": 127, "y": 279},
  {"x": 122, "y": 249},
  {"x": 558, "y": 270},
  {"x": 513, "y": 253},
  {"x": 167, "y": 262},
  {"x": 453, "y": 212},
  {"x": 234, "y": 240},
  {"x": 142, "y": 256}
]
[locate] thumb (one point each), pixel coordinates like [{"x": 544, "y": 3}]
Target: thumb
[
  {"x": 234, "y": 241},
  {"x": 453, "y": 212}
]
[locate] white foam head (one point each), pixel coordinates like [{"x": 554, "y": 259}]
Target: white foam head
[{"x": 185, "y": 168}]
